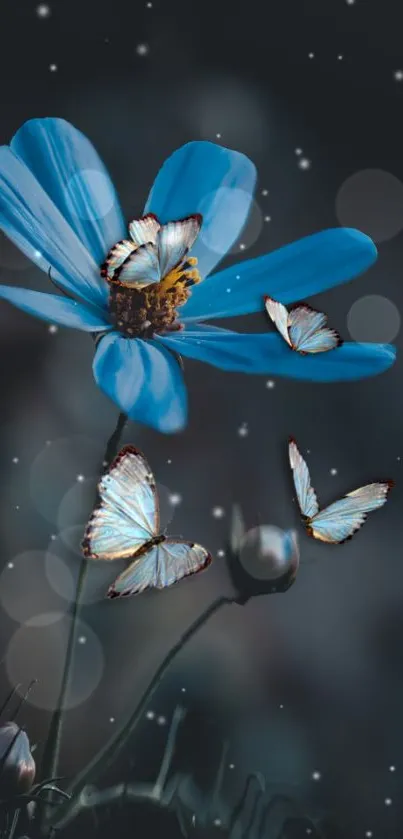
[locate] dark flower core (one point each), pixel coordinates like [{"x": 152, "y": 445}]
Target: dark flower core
[{"x": 142, "y": 312}]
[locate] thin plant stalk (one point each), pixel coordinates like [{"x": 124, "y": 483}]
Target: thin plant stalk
[
  {"x": 108, "y": 754},
  {"x": 51, "y": 753}
]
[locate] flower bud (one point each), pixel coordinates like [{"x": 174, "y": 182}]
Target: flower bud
[
  {"x": 17, "y": 766},
  {"x": 263, "y": 560}
]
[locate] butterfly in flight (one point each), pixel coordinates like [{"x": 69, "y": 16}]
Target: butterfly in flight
[
  {"x": 302, "y": 327},
  {"x": 125, "y": 525},
  {"x": 339, "y": 521}
]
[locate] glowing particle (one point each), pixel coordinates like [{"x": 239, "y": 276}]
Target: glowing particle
[
  {"x": 53, "y": 328},
  {"x": 270, "y": 384},
  {"x": 243, "y": 430},
  {"x": 369, "y": 834},
  {"x": 142, "y": 49},
  {"x": 311, "y": 55},
  {"x": 242, "y": 247},
  {"x": 111, "y": 719},
  {"x": 37, "y": 255},
  {"x": 267, "y": 218},
  {"x": 183, "y": 690},
  {"x": 333, "y": 471},
  {"x": 161, "y": 720},
  {"x": 398, "y": 75},
  {"x": 265, "y": 192},
  {"x": 175, "y": 499},
  {"x": 220, "y": 553},
  {"x": 388, "y": 802},
  {"x": 169, "y": 461},
  {"x": 218, "y": 136},
  {"x": 43, "y": 10},
  {"x": 53, "y": 68},
  {"x": 10, "y": 564},
  {"x": 80, "y": 479},
  {"x": 316, "y": 776},
  {"x": 218, "y": 512},
  {"x": 150, "y": 715},
  {"x": 82, "y": 639},
  {"x": 217, "y": 822},
  {"x": 16, "y": 459},
  {"x": 392, "y": 768},
  {"x": 298, "y": 151},
  {"x": 304, "y": 163},
  {"x": 340, "y": 57}
]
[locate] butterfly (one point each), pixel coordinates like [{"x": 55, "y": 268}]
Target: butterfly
[
  {"x": 302, "y": 327},
  {"x": 152, "y": 252},
  {"x": 125, "y": 524},
  {"x": 339, "y": 521}
]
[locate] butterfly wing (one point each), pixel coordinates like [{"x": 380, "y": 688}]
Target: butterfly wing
[
  {"x": 279, "y": 315},
  {"x": 140, "y": 268},
  {"x": 306, "y": 495},
  {"x": 161, "y": 566},
  {"x": 175, "y": 240},
  {"x": 342, "y": 519},
  {"x": 144, "y": 230},
  {"x": 127, "y": 514},
  {"x": 308, "y": 333},
  {"x": 116, "y": 256}
]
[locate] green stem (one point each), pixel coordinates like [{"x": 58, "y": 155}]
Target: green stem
[
  {"x": 101, "y": 762},
  {"x": 50, "y": 760}
]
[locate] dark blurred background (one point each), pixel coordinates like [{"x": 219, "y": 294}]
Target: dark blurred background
[{"x": 306, "y": 687}]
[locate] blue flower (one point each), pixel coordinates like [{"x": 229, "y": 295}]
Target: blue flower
[{"x": 58, "y": 205}]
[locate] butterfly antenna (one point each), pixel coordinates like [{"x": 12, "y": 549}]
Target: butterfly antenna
[
  {"x": 24, "y": 698},
  {"x": 59, "y": 287},
  {"x": 10, "y": 696}
]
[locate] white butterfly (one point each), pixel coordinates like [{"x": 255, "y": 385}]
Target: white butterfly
[
  {"x": 125, "y": 524},
  {"x": 342, "y": 519},
  {"x": 302, "y": 327},
  {"x": 153, "y": 250}
]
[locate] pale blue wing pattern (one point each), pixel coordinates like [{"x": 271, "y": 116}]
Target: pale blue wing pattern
[
  {"x": 343, "y": 518},
  {"x": 175, "y": 240},
  {"x": 306, "y": 495},
  {"x": 127, "y": 515},
  {"x": 144, "y": 230},
  {"x": 116, "y": 256},
  {"x": 280, "y": 317},
  {"x": 161, "y": 566},
  {"x": 141, "y": 268},
  {"x": 307, "y": 332}
]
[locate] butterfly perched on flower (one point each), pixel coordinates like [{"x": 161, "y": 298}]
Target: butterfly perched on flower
[
  {"x": 125, "y": 524},
  {"x": 303, "y": 328},
  {"x": 339, "y": 521}
]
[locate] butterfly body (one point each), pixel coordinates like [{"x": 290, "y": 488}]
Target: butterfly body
[
  {"x": 303, "y": 328},
  {"x": 125, "y": 524},
  {"x": 339, "y": 521}
]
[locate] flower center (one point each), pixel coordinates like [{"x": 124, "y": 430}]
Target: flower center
[{"x": 144, "y": 311}]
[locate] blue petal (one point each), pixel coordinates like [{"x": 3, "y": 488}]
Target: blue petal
[
  {"x": 144, "y": 379},
  {"x": 71, "y": 172},
  {"x": 205, "y": 178},
  {"x": 269, "y": 353},
  {"x": 292, "y": 273},
  {"x": 31, "y": 220},
  {"x": 54, "y": 309}
]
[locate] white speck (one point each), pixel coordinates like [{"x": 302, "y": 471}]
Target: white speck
[
  {"x": 150, "y": 715},
  {"x": 53, "y": 68},
  {"x": 80, "y": 478},
  {"x": 220, "y": 553},
  {"x": 218, "y": 136},
  {"x": 231, "y": 766},
  {"x": 398, "y": 75},
  {"x": 238, "y": 277},
  {"x": 10, "y": 564},
  {"x": 82, "y": 639},
  {"x": 270, "y": 384},
  {"x": 309, "y": 831},
  {"x": 398, "y": 458},
  {"x": 37, "y": 255},
  {"x": 183, "y": 690},
  {"x": 281, "y": 706},
  {"x": 267, "y": 218},
  {"x": 149, "y": 5},
  {"x": 217, "y": 822},
  {"x": 392, "y": 768},
  {"x": 243, "y": 430},
  {"x": 311, "y": 55},
  {"x": 218, "y": 512},
  {"x": 111, "y": 719},
  {"x": 298, "y": 151},
  {"x": 43, "y": 10},
  {"x": 175, "y": 499},
  {"x": 48, "y": 442},
  {"x": 316, "y": 776},
  {"x": 333, "y": 471},
  {"x": 350, "y": 2},
  {"x": 16, "y": 459},
  {"x": 304, "y": 163},
  {"x": 142, "y": 49},
  {"x": 242, "y": 247},
  {"x": 161, "y": 720},
  {"x": 340, "y": 57},
  {"x": 193, "y": 820},
  {"x": 369, "y": 834},
  {"x": 265, "y": 192},
  {"x": 169, "y": 461},
  {"x": 308, "y": 451},
  {"x": 53, "y": 536},
  {"x": 17, "y": 506},
  {"x": 228, "y": 290},
  {"x": 53, "y": 328},
  {"x": 388, "y": 801}
]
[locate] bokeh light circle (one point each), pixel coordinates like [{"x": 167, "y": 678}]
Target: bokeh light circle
[
  {"x": 373, "y": 318},
  {"x": 37, "y": 650},
  {"x": 24, "y": 592},
  {"x": 58, "y": 467},
  {"x": 372, "y": 201},
  {"x": 233, "y": 204},
  {"x": 263, "y": 555},
  {"x": 251, "y": 232},
  {"x": 85, "y": 183}
]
